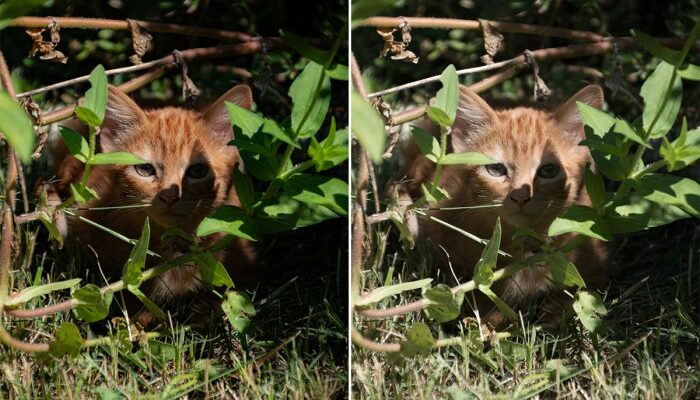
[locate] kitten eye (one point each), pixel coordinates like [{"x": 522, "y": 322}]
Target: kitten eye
[
  {"x": 548, "y": 171},
  {"x": 197, "y": 171},
  {"x": 145, "y": 169},
  {"x": 496, "y": 169}
]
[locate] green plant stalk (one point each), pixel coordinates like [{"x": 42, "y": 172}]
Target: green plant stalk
[
  {"x": 274, "y": 185},
  {"x": 443, "y": 151}
]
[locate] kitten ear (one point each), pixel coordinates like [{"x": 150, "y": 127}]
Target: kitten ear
[
  {"x": 568, "y": 115},
  {"x": 217, "y": 115},
  {"x": 474, "y": 117},
  {"x": 122, "y": 116}
]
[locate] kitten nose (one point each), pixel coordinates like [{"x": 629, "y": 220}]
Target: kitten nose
[
  {"x": 521, "y": 195},
  {"x": 170, "y": 195}
]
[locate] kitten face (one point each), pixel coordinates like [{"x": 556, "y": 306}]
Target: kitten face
[
  {"x": 188, "y": 163},
  {"x": 539, "y": 166}
]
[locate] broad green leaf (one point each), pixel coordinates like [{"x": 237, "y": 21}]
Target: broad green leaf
[
  {"x": 599, "y": 121},
  {"x": 500, "y": 304},
  {"x": 16, "y": 127},
  {"x": 368, "y": 127},
  {"x": 595, "y": 187},
  {"x": 369, "y": 8},
  {"x": 285, "y": 214},
  {"x": 590, "y": 310},
  {"x": 383, "y": 292},
  {"x": 657, "y": 49},
  {"x": 581, "y": 219},
  {"x": 96, "y": 97},
  {"x": 82, "y": 194},
  {"x": 339, "y": 72},
  {"x": 243, "y": 121},
  {"x": 635, "y": 214},
  {"x": 419, "y": 341},
  {"x": 87, "y": 116},
  {"x": 68, "y": 341},
  {"x": 309, "y": 100},
  {"x": 483, "y": 271},
  {"x": 11, "y": 9},
  {"x": 624, "y": 128},
  {"x": 92, "y": 304},
  {"x": 150, "y": 305},
  {"x": 131, "y": 274},
  {"x": 564, "y": 272},
  {"x": 443, "y": 305},
  {"x": 116, "y": 157},
  {"x": 467, "y": 157},
  {"x": 654, "y": 91},
  {"x": 427, "y": 143},
  {"x": 238, "y": 309},
  {"x": 213, "y": 271},
  {"x": 244, "y": 187},
  {"x": 690, "y": 72},
  {"x": 446, "y": 97},
  {"x": 229, "y": 219},
  {"x": 76, "y": 143},
  {"x": 318, "y": 189},
  {"x": 438, "y": 116},
  {"x": 666, "y": 189},
  {"x": 31, "y": 292},
  {"x": 273, "y": 129}
]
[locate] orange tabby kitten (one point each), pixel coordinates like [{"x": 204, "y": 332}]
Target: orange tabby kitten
[
  {"x": 187, "y": 175},
  {"x": 539, "y": 174}
]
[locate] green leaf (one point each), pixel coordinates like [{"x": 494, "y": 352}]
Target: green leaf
[
  {"x": 625, "y": 129},
  {"x": 595, "y": 187},
  {"x": 500, "y": 304},
  {"x": 95, "y": 98},
  {"x": 212, "y": 270},
  {"x": 438, "y": 116},
  {"x": 654, "y": 91},
  {"x": 467, "y": 157},
  {"x": 599, "y": 121},
  {"x": 285, "y": 214},
  {"x": 427, "y": 143},
  {"x": 634, "y": 214},
  {"x": 11, "y": 9},
  {"x": 684, "y": 151},
  {"x": 564, "y": 272},
  {"x": 50, "y": 226},
  {"x": 318, "y": 189},
  {"x": 309, "y": 111},
  {"x": 76, "y": 143},
  {"x": 383, "y": 292},
  {"x": 446, "y": 97},
  {"x": 443, "y": 305},
  {"x": 483, "y": 271},
  {"x": 244, "y": 187},
  {"x": 131, "y": 274},
  {"x": 667, "y": 189},
  {"x": 16, "y": 127},
  {"x": 369, "y": 8},
  {"x": 82, "y": 194},
  {"x": 419, "y": 341},
  {"x": 244, "y": 122},
  {"x": 92, "y": 304},
  {"x": 68, "y": 341},
  {"x": 691, "y": 72},
  {"x": 368, "y": 127},
  {"x": 238, "y": 309},
  {"x": 273, "y": 129},
  {"x": 31, "y": 292},
  {"x": 657, "y": 49},
  {"x": 116, "y": 157},
  {"x": 150, "y": 305},
  {"x": 339, "y": 72},
  {"x": 581, "y": 219},
  {"x": 590, "y": 310},
  {"x": 331, "y": 151},
  {"x": 229, "y": 219},
  {"x": 433, "y": 194}
]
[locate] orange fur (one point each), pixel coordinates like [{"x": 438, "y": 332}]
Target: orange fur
[
  {"x": 523, "y": 140},
  {"x": 171, "y": 139}
]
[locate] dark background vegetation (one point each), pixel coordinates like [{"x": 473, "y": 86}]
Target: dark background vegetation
[
  {"x": 656, "y": 279},
  {"x": 303, "y": 286}
]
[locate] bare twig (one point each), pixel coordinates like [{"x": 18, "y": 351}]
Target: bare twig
[
  {"x": 99, "y": 23},
  {"x": 474, "y": 25}
]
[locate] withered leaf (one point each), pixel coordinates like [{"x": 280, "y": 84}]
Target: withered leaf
[
  {"x": 493, "y": 41},
  {"x": 46, "y": 49},
  {"x": 396, "y": 48},
  {"x": 141, "y": 41},
  {"x": 542, "y": 92},
  {"x": 190, "y": 92}
]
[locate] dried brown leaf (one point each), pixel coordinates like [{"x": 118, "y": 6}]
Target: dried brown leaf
[
  {"x": 46, "y": 48},
  {"x": 190, "y": 92},
  {"x": 141, "y": 40},
  {"x": 397, "y": 48},
  {"x": 542, "y": 92},
  {"x": 493, "y": 41}
]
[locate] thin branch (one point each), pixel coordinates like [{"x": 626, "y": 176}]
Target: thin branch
[
  {"x": 474, "y": 25},
  {"x": 123, "y": 25},
  {"x": 359, "y": 340}
]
